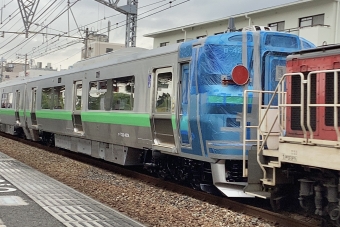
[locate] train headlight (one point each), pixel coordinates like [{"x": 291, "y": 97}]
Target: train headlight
[{"x": 240, "y": 75}]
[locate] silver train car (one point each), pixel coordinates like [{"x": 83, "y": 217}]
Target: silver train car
[{"x": 177, "y": 110}]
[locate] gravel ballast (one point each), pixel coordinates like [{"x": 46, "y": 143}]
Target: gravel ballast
[{"x": 147, "y": 204}]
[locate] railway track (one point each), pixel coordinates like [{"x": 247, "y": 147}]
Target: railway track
[{"x": 277, "y": 218}]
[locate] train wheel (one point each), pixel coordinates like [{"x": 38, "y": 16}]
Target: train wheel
[
  {"x": 195, "y": 184},
  {"x": 276, "y": 203},
  {"x": 48, "y": 139}
]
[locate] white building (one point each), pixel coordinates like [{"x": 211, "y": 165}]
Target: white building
[
  {"x": 11, "y": 70},
  {"x": 98, "y": 44},
  {"x": 316, "y": 20},
  {"x": 38, "y": 70}
]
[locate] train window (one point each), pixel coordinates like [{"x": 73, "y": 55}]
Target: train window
[
  {"x": 97, "y": 91},
  {"x": 78, "y": 102},
  {"x": 164, "y": 92},
  {"x": 115, "y": 94},
  {"x": 10, "y": 100},
  {"x": 46, "y": 98},
  {"x": 123, "y": 93},
  {"x": 6, "y": 100},
  {"x": 34, "y": 99},
  {"x": 17, "y": 101},
  {"x": 59, "y": 97}
]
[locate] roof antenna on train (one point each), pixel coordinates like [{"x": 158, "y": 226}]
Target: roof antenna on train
[{"x": 231, "y": 25}]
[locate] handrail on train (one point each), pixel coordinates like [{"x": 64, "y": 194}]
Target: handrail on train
[
  {"x": 280, "y": 92},
  {"x": 261, "y": 137}
]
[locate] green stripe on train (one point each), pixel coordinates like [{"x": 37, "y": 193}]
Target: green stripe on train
[
  {"x": 22, "y": 113},
  {"x": 173, "y": 121},
  {"x": 133, "y": 119},
  {"x": 7, "y": 112},
  {"x": 54, "y": 114},
  {"x": 227, "y": 99}
]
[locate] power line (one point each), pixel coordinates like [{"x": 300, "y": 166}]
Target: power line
[
  {"x": 22, "y": 27},
  {"x": 26, "y": 40},
  {"x": 110, "y": 16},
  {"x": 153, "y": 13},
  {"x": 63, "y": 46}
]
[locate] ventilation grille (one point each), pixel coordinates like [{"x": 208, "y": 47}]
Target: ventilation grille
[
  {"x": 295, "y": 99},
  {"x": 329, "y": 99}
]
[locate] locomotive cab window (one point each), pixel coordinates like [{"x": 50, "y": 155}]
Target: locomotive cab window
[{"x": 112, "y": 94}]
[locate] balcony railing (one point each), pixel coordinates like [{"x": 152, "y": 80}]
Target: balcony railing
[{"x": 293, "y": 30}]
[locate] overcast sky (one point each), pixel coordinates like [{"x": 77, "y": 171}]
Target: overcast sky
[{"x": 95, "y": 16}]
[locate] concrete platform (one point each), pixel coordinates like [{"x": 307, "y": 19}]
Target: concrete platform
[{"x": 31, "y": 199}]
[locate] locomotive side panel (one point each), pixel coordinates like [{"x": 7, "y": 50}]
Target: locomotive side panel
[{"x": 322, "y": 88}]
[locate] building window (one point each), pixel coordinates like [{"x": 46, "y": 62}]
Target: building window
[
  {"x": 312, "y": 20},
  {"x": 7, "y": 76},
  {"x": 201, "y": 36},
  {"x": 164, "y": 44},
  {"x": 277, "y": 26},
  {"x": 180, "y": 40},
  {"x": 109, "y": 50}
]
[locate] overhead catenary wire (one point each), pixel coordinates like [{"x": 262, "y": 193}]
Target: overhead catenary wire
[
  {"x": 146, "y": 11},
  {"x": 26, "y": 40},
  {"x": 152, "y": 13},
  {"x": 22, "y": 26},
  {"x": 20, "y": 20},
  {"x": 2, "y": 8},
  {"x": 119, "y": 14},
  {"x": 140, "y": 18}
]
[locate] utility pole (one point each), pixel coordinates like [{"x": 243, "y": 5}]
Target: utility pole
[
  {"x": 108, "y": 30},
  {"x": 25, "y": 65},
  {"x": 27, "y": 10},
  {"x": 2, "y": 60},
  {"x": 130, "y": 10},
  {"x": 86, "y": 40},
  {"x": 68, "y": 17}
]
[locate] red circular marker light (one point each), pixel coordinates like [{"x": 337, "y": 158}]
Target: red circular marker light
[{"x": 240, "y": 75}]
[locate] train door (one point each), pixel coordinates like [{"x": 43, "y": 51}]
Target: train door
[
  {"x": 25, "y": 112},
  {"x": 77, "y": 106},
  {"x": 275, "y": 67},
  {"x": 17, "y": 106},
  {"x": 34, "y": 106},
  {"x": 163, "y": 111},
  {"x": 184, "y": 124}
]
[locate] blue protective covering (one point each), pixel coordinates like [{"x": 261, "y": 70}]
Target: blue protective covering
[{"x": 211, "y": 113}]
